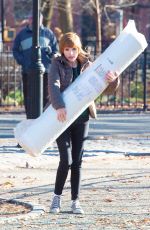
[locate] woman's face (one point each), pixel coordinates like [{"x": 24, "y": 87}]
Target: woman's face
[{"x": 71, "y": 54}]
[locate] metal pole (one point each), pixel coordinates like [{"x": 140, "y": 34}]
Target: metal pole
[
  {"x": 144, "y": 81},
  {"x": 98, "y": 27},
  {"x": 2, "y": 20},
  {"x": 35, "y": 100}
]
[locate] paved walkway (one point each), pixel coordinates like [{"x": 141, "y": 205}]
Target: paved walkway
[
  {"x": 121, "y": 124},
  {"x": 115, "y": 191}
]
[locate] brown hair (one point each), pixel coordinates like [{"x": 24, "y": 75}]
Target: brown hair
[{"x": 71, "y": 39}]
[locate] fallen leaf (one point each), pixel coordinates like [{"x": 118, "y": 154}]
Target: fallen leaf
[{"x": 108, "y": 200}]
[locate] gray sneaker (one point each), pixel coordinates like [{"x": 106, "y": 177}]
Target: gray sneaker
[
  {"x": 56, "y": 204},
  {"x": 76, "y": 207}
]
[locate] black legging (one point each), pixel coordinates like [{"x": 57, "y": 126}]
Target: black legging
[{"x": 71, "y": 146}]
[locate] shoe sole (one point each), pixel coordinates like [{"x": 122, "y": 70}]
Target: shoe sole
[
  {"x": 77, "y": 212},
  {"x": 54, "y": 211}
]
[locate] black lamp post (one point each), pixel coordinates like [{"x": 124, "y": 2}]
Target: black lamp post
[
  {"x": 2, "y": 20},
  {"x": 145, "y": 81},
  {"x": 35, "y": 100}
]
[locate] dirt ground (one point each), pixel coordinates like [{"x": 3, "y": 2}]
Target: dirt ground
[{"x": 115, "y": 186}]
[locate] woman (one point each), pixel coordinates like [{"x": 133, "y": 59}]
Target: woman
[{"x": 64, "y": 70}]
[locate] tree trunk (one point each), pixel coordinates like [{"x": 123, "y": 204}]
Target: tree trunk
[
  {"x": 47, "y": 10},
  {"x": 65, "y": 15}
]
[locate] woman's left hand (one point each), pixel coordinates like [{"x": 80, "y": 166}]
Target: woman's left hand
[{"x": 111, "y": 76}]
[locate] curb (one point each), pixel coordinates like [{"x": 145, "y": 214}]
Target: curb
[
  {"x": 93, "y": 136},
  {"x": 36, "y": 210}
]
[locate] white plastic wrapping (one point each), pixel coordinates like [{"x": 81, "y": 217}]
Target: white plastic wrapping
[{"x": 36, "y": 135}]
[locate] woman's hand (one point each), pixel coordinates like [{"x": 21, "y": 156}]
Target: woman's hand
[
  {"x": 61, "y": 114},
  {"x": 111, "y": 76}
]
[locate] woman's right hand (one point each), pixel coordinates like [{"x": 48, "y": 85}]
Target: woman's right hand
[{"x": 61, "y": 114}]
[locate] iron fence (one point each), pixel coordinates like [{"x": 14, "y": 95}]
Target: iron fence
[
  {"x": 133, "y": 92},
  {"x": 10, "y": 81}
]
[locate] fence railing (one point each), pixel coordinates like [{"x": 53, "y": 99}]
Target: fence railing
[
  {"x": 10, "y": 81},
  {"x": 133, "y": 92}
]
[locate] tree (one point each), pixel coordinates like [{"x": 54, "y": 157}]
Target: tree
[
  {"x": 47, "y": 10},
  {"x": 94, "y": 8},
  {"x": 65, "y": 15},
  {"x": 64, "y": 9},
  {"x": 98, "y": 26}
]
